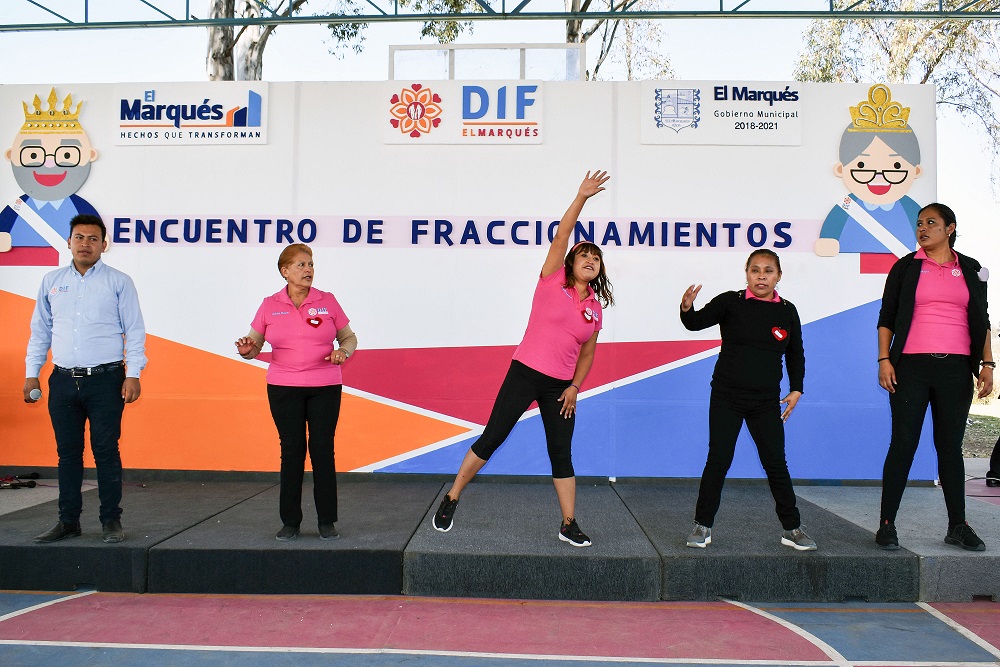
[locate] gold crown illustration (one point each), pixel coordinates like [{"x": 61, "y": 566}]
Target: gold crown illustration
[
  {"x": 879, "y": 113},
  {"x": 53, "y": 120}
]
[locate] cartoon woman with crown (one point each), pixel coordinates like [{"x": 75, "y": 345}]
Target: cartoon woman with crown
[{"x": 879, "y": 160}]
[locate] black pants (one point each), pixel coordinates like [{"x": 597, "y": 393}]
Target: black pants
[
  {"x": 72, "y": 403},
  {"x": 995, "y": 461},
  {"x": 294, "y": 409},
  {"x": 946, "y": 384},
  {"x": 726, "y": 414},
  {"x": 521, "y": 387}
]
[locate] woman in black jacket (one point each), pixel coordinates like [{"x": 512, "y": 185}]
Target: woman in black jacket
[
  {"x": 933, "y": 333},
  {"x": 758, "y": 328}
]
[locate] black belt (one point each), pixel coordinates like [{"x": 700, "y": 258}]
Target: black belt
[{"x": 82, "y": 371}]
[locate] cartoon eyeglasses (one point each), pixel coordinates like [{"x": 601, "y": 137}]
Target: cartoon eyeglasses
[
  {"x": 64, "y": 156},
  {"x": 891, "y": 176}
]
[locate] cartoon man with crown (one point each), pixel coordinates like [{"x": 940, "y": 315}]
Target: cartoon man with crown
[
  {"x": 879, "y": 161},
  {"x": 51, "y": 158}
]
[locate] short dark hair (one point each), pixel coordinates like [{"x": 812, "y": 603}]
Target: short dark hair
[
  {"x": 947, "y": 215},
  {"x": 88, "y": 219},
  {"x": 767, "y": 253}
]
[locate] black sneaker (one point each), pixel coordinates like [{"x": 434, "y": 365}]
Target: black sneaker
[
  {"x": 287, "y": 533},
  {"x": 963, "y": 536},
  {"x": 444, "y": 518},
  {"x": 886, "y": 537},
  {"x": 570, "y": 532},
  {"x": 327, "y": 531},
  {"x": 992, "y": 479}
]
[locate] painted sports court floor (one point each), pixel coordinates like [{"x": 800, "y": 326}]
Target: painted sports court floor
[{"x": 375, "y": 631}]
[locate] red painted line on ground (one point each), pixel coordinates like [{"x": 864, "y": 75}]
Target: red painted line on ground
[
  {"x": 982, "y": 618},
  {"x": 634, "y": 630}
]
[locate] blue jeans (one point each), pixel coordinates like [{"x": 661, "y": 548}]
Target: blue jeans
[{"x": 73, "y": 402}]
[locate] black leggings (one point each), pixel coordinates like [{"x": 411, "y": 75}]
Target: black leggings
[
  {"x": 520, "y": 388},
  {"x": 726, "y": 414},
  {"x": 946, "y": 384}
]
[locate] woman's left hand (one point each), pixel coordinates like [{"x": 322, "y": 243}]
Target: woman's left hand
[
  {"x": 337, "y": 357},
  {"x": 985, "y": 382},
  {"x": 568, "y": 400},
  {"x": 791, "y": 400}
]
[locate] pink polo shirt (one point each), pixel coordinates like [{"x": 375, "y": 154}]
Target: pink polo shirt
[
  {"x": 558, "y": 325},
  {"x": 750, "y": 295},
  {"x": 941, "y": 309},
  {"x": 301, "y": 338}
]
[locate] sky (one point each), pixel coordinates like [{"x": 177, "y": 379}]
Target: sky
[{"x": 731, "y": 49}]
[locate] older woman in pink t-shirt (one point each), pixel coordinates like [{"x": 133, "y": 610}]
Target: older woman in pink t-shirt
[
  {"x": 550, "y": 364},
  {"x": 933, "y": 339},
  {"x": 304, "y": 384}
]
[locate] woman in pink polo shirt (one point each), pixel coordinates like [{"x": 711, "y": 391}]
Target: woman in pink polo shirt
[
  {"x": 550, "y": 364},
  {"x": 304, "y": 384},
  {"x": 933, "y": 332}
]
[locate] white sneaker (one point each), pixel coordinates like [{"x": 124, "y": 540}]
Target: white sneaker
[
  {"x": 700, "y": 537},
  {"x": 798, "y": 540}
]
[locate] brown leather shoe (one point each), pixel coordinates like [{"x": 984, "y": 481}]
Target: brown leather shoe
[{"x": 60, "y": 531}]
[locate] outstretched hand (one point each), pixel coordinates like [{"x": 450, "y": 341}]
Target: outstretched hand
[
  {"x": 690, "y": 294},
  {"x": 593, "y": 184}
]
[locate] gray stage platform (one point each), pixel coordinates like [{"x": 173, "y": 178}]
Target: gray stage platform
[
  {"x": 947, "y": 573},
  {"x": 505, "y": 544},
  {"x": 151, "y": 515},
  {"x": 218, "y": 537},
  {"x": 746, "y": 560},
  {"x": 235, "y": 551}
]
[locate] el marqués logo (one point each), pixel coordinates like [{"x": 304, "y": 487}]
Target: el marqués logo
[{"x": 184, "y": 115}]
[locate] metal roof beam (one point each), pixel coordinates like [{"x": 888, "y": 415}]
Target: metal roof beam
[{"x": 484, "y": 10}]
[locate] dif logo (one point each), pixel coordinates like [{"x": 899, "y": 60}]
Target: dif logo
[{"x": 479, "y": 103}]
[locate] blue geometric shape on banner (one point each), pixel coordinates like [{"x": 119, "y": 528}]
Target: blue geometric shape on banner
[{"x": 658, "y": 426}]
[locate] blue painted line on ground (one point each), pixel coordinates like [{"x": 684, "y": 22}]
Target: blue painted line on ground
[{"x": 872, "y": 632}]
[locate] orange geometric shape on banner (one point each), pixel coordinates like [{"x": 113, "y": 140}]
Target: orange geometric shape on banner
[{"x": 198, "y": 411}]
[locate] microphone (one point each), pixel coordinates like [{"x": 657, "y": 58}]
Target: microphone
[{"x": 35, "y": 394}]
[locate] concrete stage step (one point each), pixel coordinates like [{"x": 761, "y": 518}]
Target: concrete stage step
[
  {"x": 505, "y": 544},
  {"x": 218, "y": 537},
  {"x": 746, "y": 560},
  {"x": 152, "y": 514},
  {"x": 235, "y": 551},
  {"x": 947, "y": 573}
]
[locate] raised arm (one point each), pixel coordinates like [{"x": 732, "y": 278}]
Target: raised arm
[{"x": 560, "y": 243}]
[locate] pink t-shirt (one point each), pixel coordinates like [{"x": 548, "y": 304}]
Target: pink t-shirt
[
  {"x": 558, "y": 325},
  {"x": 301, "y": 338},
  {"x": 941, "y": 309}
]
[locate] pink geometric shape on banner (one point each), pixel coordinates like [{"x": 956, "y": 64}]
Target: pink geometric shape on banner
[{"x": 462, "y": 382}]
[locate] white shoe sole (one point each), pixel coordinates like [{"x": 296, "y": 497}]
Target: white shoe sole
[
  {"x": 797, "y": 547},
  {"x": 575, "y": 544},
  {"x": 442, "y": 530},
  {"x": 701, "y": 545}
]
